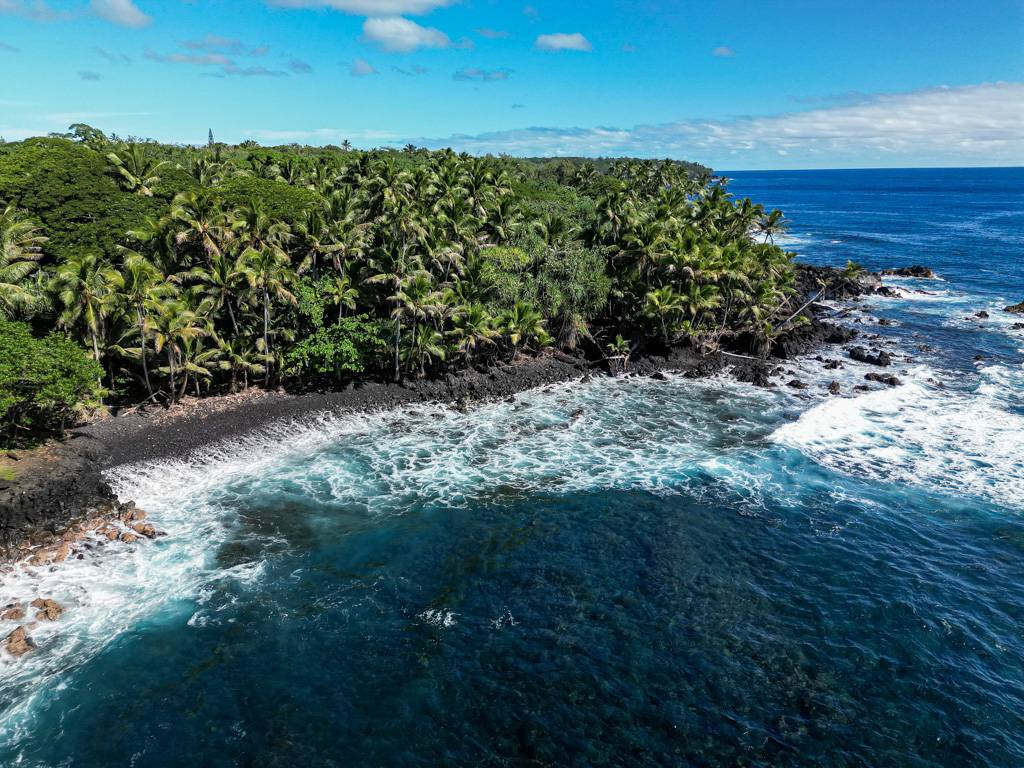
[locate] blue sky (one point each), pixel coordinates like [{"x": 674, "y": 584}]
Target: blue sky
[{"x": 767, "y": 84}]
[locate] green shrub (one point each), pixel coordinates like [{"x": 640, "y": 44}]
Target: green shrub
[
  {"x": 348, "y": 346},
  {"x": 45, "y": 384}
]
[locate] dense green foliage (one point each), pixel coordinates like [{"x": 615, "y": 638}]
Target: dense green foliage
[
  {"x": 44, "y": 383},
  {"x": 183, "y": 269}
]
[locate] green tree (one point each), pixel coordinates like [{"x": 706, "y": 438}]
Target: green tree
[{"x": 21, "y": 246}]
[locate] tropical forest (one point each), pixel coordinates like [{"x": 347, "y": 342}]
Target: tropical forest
[{"x": 138, "y": 272}]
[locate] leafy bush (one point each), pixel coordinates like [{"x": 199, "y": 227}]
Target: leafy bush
[
  {"x": 348, "y": 346},
  {"x": 44, "y": 383}
]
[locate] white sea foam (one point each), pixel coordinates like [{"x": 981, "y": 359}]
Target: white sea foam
[{"x": 962, "y": 443}]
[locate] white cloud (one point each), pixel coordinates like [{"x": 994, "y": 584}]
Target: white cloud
[
  {"x": 967, "y": 125},
  {"x": 562, "y": 41},
  {"x": 362, "y": 68},
  {"x": 123, "y": 12},
  {"x": 723, "y": 51},
  {"x": 368, "y": 7},
  {"x": 399, "y": 35}
]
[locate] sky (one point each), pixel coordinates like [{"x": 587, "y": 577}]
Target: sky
[{"x": 734, "y": 85}]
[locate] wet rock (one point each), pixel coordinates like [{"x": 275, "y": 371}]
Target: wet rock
[
  {"x": 128, "y": 537},
  {"x": 834, "y": 388},
  {"x": 796, "y": 384},
  {"x": 110, "y": 532},
  {"x": 12, "y": 612},
  {"x": 832, "y": 365},
  {"x": 145, "y": 529},
  {"x": 1018, "y": 326},
  {"x": 754, "y": 372},
  {"x": 49, "y": 610},
  {"x": 913, "y": 271},
  {"x": 862, "y": 388},
  {"x": 883, "y": 378},
  {"x": 18, "y": 643},
  {"x": 876, "y": 357},
  {"x": 982, "y": 315},
  {"x": 1016, "y": 309},
  {"x": 48, "y": 555}
]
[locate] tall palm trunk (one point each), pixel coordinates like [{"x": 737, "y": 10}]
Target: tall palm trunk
[
  {"x": 142, "y": 345},
  {"x": 266, "y": 332},
  {"x": 170, "y": 367}
]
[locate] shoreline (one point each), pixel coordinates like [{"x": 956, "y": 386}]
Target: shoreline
[{"x": 62, "y": 486}]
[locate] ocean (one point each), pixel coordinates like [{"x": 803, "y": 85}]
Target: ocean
[{"x": 621, "y": 572}]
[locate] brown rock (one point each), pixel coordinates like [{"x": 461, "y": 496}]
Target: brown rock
[
  {"x": 13, "y": 613},
  {"x": 128, "y": 537},
  {"x": 51, "y": 610},
  {"x": 57, "y": 554},
  {"x": 145, "y": 529},
  {"x": 834, "y": 388},
  {"x": 18, "y": 643}
]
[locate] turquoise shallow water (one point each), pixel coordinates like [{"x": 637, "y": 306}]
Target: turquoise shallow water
[{"x": 625, "y": 572}]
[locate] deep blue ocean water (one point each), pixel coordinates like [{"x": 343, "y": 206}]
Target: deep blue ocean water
[{"x": 624, "y": 572}]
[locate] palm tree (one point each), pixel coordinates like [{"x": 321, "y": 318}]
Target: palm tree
[
  {"x": 427, "y": 345},
  {"x": 136, "y": 170},
  {"x": 173, "y": 325},
  {"x": 523, "y": 323},
  {"x": 771, "y": 225},
  {"x": 269, "y": 273},
  {"x": 86, "y": 284},
  {"x": 20, "y": 250},
  {"x": 662, "y": 304},
  {"x": 473, "y": 326},
  {"x": 204, "y": 222},
  {"x": 238, "y": 357},
  {"x": 221, "y": 282},
  {"x": 342, "y": 293},
  {"x": 143, "y": 286}
]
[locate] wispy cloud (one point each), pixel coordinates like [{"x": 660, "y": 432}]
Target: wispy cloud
[
  {"x": 113, "y": 58},
  {"x": 723, "y": 52},
  {"x": 222, "y": 54},
  {"x": 122, "y": 12},
  {"x": 88, "y": 75},
  {"x": 397, "y": 35},
  {"x": 414, "y": 71},
  {"x": 491, "y": 34},
  {"x": 362, "y": 68},
  {"x": 482, "y": 75},
  {"x": 226, "y": 45},
  {"x": 9, "y": 48},
  {"x": 369, "y": 7},
  {"x": 564, "y": 41},
  {"x": 968, "y": 125}
]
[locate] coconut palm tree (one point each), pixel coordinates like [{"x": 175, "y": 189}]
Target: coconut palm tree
[
  {"x": 663, "y": 304},
  {"x": 174, "y": 323},
  {"x": 269, "y": 273},
  {"x": 86, "y": 284},
  {"x": 524, "y": 324},
  {"x": 426, "y": 346},
  {"x": 202, "y": 221},
  {"x": 136, "y": 170},
  {"x": 21, "y": 244},
  {"x": 473, "y": 327},
  {"x": 143, "y": 287},
  {"x": 221, "y": 282}
]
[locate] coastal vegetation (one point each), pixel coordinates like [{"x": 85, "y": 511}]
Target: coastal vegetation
[{"x": 133, "y": 271}]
